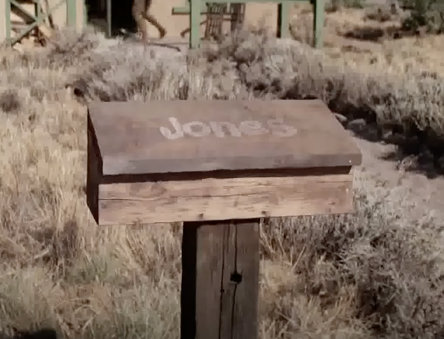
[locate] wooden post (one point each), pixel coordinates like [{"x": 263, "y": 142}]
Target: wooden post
[
  {"x": 195, "y": 9},
  {"x": 71, "y": 13},
  {"x": 284, "y": 19},
  {"x": 318, "y": 23},
  {"x": 218, "y": 166},
  {"x": 220, "y": 284},
  {"x": 85, "y": 14},
  {"x": 109, "y": 18},
  {"x": 5, "y": 23}
]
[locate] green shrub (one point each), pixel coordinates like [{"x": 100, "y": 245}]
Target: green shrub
[
  {"x": 336, "y": 5},
  {"x": 425, "y": 14}
]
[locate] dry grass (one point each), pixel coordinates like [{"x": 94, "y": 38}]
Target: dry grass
[
  {"x": 375, "y": 49},
  {"x": 374, "y": 274},
  {"x": 396, "y": 85}
]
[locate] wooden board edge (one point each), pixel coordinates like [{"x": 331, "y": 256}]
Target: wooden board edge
[
  {"x": 224, "y": 174},
  {"x": 114, "y": 166},
  {"x": 94, "y": 171},
  {"x": 224, "y": 199}
]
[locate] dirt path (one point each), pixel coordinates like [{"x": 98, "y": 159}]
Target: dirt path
[{"x": 426, "y": 195}]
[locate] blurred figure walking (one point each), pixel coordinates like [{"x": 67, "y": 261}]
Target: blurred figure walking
[{"x": 141, "y": 12}]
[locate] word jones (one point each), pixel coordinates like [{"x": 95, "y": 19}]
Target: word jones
[{"x": 220, "y": 129}]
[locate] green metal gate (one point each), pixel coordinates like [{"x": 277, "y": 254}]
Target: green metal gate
[
  {"x": 196, "y": 7},
  {"x": 37, "y": 18}
]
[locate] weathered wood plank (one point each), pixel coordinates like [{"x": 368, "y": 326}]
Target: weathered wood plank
[
  {"x": 203, "y": 136},
  {"x": 220, "y": 281},
  {"x": 243, "y": 197},
  {"x": 93, "y": 174}
]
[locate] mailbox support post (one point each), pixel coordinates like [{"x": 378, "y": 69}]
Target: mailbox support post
[{"x": 220, "y": 279}]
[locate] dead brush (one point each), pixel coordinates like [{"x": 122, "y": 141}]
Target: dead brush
[{"x": 374, "y": 274}]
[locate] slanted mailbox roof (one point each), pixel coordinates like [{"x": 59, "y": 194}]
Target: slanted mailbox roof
[{"x": 200, "y": 136}]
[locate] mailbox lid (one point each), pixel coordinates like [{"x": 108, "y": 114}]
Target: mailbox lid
[{"x": 210, "y": 135}]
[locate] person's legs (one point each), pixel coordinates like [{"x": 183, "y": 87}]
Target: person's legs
[
  {"x": 138, "y": 11},
  {"x": 152, "y": 20}
]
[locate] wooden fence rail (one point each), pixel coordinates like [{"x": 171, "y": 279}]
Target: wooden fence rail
[
  {"x": 36, "y": 18},
  {"x": 197, "y": 7}
]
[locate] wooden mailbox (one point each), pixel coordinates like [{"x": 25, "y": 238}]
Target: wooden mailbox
[{"x": 218, "y": 166}]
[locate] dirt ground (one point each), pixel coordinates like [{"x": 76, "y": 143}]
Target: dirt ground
[{"x": 425, "y": 194}]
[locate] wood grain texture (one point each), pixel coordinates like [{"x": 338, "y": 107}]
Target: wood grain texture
[
  {"x": 218, "y": 135},
  {"x": 241, "y": 197},
  {"x": 220, "y": 280}
]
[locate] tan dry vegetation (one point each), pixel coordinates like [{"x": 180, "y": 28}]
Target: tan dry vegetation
[
  {"x": 374, "y": 274},
  {"x": 373, "y": 46},
  {"x": 396, "y": 85}
]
